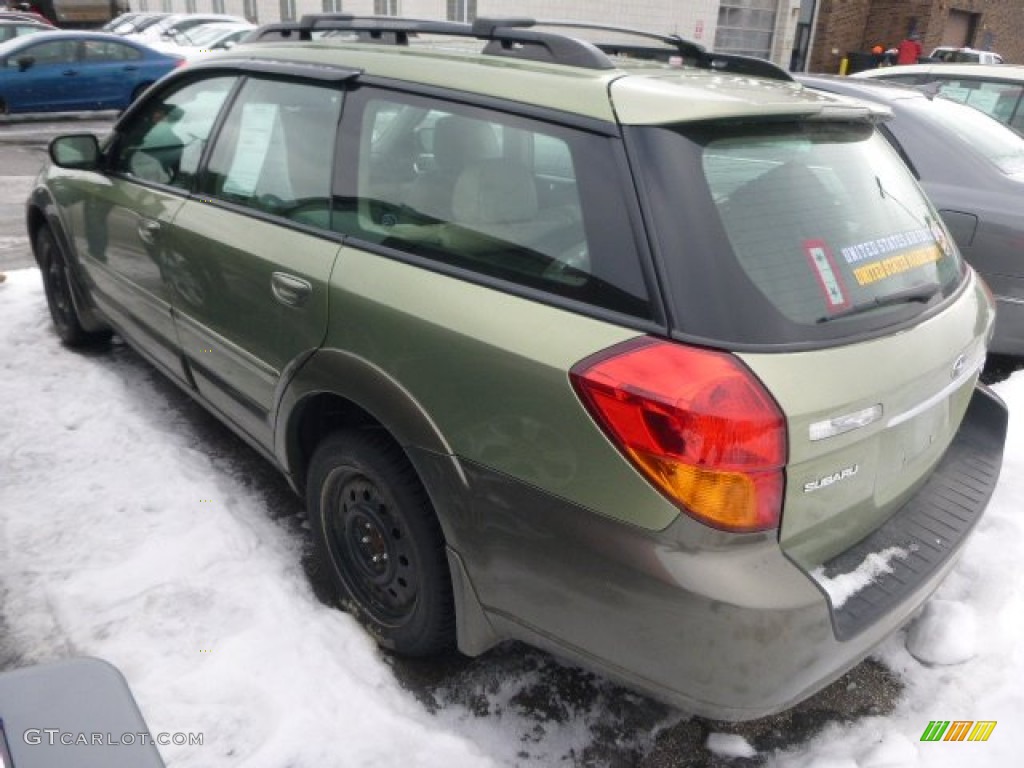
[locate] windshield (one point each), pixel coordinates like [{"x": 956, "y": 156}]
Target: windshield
[
  {"x": 995, "y": 142},
  {"x": 811, "y": 231},
  {"x": 207, "y": 35}
]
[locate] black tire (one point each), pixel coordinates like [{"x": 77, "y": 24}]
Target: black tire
[
  {"x": 57, "y": 284},
  {"x": 377, "y": 540}
]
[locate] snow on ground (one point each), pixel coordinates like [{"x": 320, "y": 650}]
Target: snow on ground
[
  {"x": 976, "y": 621},
  {"x": 122, "y": 537}
]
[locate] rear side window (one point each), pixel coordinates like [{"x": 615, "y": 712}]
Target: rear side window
[
  {"x": 810, "y": 231},
  {"x": 522, "y": 201}
]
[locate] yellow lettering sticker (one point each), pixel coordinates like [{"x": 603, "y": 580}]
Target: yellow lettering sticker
[{"x": 896, "y": 265}]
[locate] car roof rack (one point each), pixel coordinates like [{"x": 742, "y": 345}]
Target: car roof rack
[{"x": 519, "y": 38}]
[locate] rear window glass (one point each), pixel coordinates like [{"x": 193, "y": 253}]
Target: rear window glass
[{"x": 806, "y": 231}]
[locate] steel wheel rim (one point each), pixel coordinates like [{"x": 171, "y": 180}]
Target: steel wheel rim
[{"x": 371, "y": 548}]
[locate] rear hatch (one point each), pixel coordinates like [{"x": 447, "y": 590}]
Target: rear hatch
[{"x": 807, "y": 248}]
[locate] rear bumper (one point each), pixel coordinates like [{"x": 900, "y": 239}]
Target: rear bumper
[
  {"x": 933, "y": 524},
  {"x": 717, "y": 624}
]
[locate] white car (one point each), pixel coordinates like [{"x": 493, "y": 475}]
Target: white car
[
  {"x": 205, "y": 38},
  {"x": 176, "y": 23},
  {"x": 953, "y": 55}
]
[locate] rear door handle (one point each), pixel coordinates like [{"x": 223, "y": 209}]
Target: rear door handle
[
  {"x": 148, "y": 230},
  {"x": 70, "y": 72},
  {"x": 290, "y": 290}
]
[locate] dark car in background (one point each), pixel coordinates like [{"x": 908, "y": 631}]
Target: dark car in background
[
  {"x": 972, "y": 168},
  {"x": 73, "y": 71}
]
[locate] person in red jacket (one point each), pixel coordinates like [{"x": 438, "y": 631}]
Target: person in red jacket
[{"x": 909, "y": 50}]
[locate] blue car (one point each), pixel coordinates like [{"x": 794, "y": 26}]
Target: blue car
[{"x": 76, "y": 71}]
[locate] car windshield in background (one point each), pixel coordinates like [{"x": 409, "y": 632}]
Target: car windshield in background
[
  {"x": 999, "y": 145},
  {"x": 204, "y": 35},
  {"x": 823, "y": 224}
]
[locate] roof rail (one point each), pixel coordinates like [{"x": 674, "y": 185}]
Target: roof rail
[
  {"x": 519, "y": 38},
  {"x": 691, "y": 53}
]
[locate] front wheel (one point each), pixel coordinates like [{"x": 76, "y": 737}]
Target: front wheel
[
  {"x": 57, "y": 285},
  {"x": 377, "y": 537}
]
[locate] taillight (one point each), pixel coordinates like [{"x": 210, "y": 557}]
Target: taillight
[{"x": 698, "y": 425}]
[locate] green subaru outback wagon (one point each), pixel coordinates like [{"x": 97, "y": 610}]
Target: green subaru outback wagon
[{"x": 642, "y": 354}]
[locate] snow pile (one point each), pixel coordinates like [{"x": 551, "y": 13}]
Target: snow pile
[
  {"x": 729, "y": 745},
  {"x": 172, "y": 570},
  {"x": 945, "y": 633}
]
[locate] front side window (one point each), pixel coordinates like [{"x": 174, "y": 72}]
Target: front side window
[
  {"x": 807, "y": 231},
  {"x": 526, "y": 202},
  {"x": 164, "y": 142},
  {"x": 53, "y": 52},
  {"x": 275, "y": 152}
]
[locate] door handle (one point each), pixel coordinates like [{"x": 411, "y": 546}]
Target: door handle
[
  {"x": 130, "y": 68},
  {"x": 70, "y": 72},
  {"x": 290, "y": 290},
  {"x": 148, "y": 230}
]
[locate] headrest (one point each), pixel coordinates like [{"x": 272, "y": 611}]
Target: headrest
[
  {"x": 459, "y": 141},
  {"x": 495, "y": 192}
]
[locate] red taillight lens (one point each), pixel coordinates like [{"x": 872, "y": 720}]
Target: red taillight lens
[{"x": 697, "y": 423}]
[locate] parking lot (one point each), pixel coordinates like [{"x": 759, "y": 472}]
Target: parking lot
[{"x": 529, "y": 707}]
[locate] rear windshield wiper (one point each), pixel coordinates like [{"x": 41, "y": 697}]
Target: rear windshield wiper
[{"x": 919, "y": 293}]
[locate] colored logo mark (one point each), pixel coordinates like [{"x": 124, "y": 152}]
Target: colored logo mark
[{"x": 958, "y": 730}]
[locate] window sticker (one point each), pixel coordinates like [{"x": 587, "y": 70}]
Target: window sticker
[
  {"x": 828, "y": 276},
  {"x": 884, "y": 257},
  {"x": 258, "y": 121}
]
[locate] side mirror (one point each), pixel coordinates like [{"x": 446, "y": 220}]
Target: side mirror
[
  {"x": 80, "y": 151},
  {"x": 25, "y": 62}
]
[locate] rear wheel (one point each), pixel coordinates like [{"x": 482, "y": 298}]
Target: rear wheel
[
  {"x": 57, "y": 284},
  {"x": 379, "y": 543}
]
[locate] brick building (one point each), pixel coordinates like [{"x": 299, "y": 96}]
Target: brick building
[
  {"x": 845, "y": 26},
  {"x": 798, "y": 34}
]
